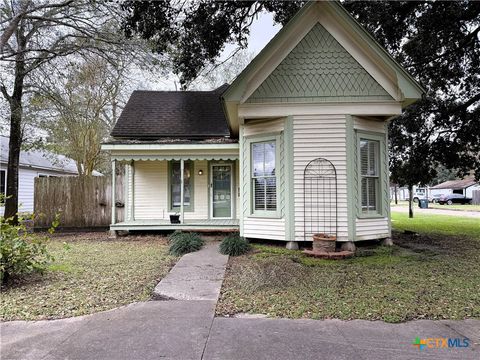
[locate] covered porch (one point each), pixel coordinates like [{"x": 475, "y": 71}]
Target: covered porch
[
  {"x": 197, "y": 184},
  {"x": 223, "y": 225}
]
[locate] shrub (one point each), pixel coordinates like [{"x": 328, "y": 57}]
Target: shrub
[
  {"x": 21, "y": 252},
  {"x": 183, "y": 243},
  {"x": 174, "y": 235},
  {"x": 234, "y": 245}
]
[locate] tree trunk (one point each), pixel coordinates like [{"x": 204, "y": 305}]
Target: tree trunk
[
  {"x": 16, "y": 114},
  {"x": 395, "y": 188},
  {"x": 410, "y": 201}
]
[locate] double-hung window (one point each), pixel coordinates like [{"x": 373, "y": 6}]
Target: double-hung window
[
  {"x": 264, "y": 177},
  {"x": 175, "y": 185},
  {"x": 369, "y": 175}
]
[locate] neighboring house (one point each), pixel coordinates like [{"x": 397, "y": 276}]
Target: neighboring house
[
  {"x": 419, "y": 192},
  {"x": 33, "y": 164},
  {"x": 464, "y": 187},
  {"x": 322, "y": 88}
]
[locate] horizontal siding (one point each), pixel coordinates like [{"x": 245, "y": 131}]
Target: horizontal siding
[
  {"x": 320, "y": 136},
  {"x": 150, "y": 190},
  {"x": 363, "y": 124},
  {"x": 264, "y": 228},
  {"x": 367, "y": 229},
  {"x": 256, "y": 227},
  {"x": 200, "y": 192},
  {"x": 263, "y": 127}
]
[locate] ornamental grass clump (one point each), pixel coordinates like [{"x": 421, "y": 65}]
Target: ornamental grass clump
[
  {"x": 234, "y": 245},
  {"x": 182, "y": 243}
]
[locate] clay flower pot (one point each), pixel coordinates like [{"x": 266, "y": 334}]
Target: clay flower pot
[{"x": 324, "y": 242}]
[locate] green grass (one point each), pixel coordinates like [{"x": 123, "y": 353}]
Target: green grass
[
  {"x": 455, "y": 207},
  {"x": 437, "y": 224},
  {"x": 434, "y": 275},
  {"x": 90, "y": 273},
  {"x": 442, "y": 207}
]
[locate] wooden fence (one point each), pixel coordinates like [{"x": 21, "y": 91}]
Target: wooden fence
[
  {"x": 476, "y": 197},
  {"x": 82, "y": 202}
]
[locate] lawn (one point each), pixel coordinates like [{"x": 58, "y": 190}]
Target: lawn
[
  {"x": 442, "y": 207},
  {"x": 437, "y": 224},
  {"x": 90, "y": 273},
  {"x": 433, "y": 275}
]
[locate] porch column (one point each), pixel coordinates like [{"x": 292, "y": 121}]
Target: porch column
[
  {"x": 182, "y": 181},
  {"x": 131, "y": 190},
  {"x": 114, "y": 162}
]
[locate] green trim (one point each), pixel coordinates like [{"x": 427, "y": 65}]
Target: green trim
[
  {"x": 381, "y": 211},
  {"x": 336, "y": 73},
  {"x": 258, "y": 139},
  {"x": 351, "y": 177},
  {"x": 232, "y": 187},
  {"x": 289, "y": 180},
  {"x": 191, "y": 207},
  {"x": 408, "y": 85},
  {"x": 235, "y": 90}
]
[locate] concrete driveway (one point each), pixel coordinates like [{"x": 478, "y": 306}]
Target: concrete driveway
[{"x": 188, "y": 330}]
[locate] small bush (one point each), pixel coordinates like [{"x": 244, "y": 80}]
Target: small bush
[
  {"x": 174, "y": 235},
  {"x": 183, "y": 243},
  {"x": 234, "y": 245},
  {"x": 21, "y": 252}
]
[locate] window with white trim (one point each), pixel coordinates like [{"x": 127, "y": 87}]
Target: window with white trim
[
  {"x": 370, "y": 175},
  {"x": 263, "y": 176}
]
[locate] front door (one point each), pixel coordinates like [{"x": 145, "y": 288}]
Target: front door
[{"x": 221, "y": 194}]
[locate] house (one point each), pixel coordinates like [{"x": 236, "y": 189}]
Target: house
[
  {"x": 403, "y": 194},
  {"x": 464, "y": 187},
  {"x": 296, "y": 145},
  {"x": 33, "y": 163}
]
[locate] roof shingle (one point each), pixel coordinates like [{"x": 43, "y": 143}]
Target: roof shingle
[{"x": 173, "y": 114}]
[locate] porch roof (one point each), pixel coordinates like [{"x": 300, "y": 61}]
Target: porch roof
[{"x": 156, "y": 151}]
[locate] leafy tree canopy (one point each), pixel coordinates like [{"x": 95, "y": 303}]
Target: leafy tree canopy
[{"x": 437, "y": 42}]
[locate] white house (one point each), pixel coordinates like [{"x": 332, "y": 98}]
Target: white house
[
  {"x": 464, "y": 187},
  {"x": 296, "y": 145},
  {"x": 33, "y": 164}
]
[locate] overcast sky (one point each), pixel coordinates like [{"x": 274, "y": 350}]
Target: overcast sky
[{"x": 262, "y": 31}]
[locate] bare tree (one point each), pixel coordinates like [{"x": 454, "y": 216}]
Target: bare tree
[
  {"x": 80, "y": 106},
  {"x": 33, "y": 35}
]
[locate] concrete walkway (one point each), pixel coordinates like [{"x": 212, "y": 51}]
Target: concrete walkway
[
  {"x": 432, "y": 211},
  {"x": 196, "y": 276},
  {"x": 187, "y": 329}
]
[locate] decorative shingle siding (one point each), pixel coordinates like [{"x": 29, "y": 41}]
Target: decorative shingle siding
[{"x": 319, "y": 69}]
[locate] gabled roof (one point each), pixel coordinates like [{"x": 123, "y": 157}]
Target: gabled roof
[
  {"x": 331, "y": 14},
  {"x": 39, "y": 159},
  {"x": 173, "y": 114},
  {"x": 456, "y": 184}
]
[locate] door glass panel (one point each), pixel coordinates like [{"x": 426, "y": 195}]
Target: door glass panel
[{"x": 222, "y": 191}]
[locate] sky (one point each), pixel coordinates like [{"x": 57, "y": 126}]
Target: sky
[{"x": 262, "y": 30}]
